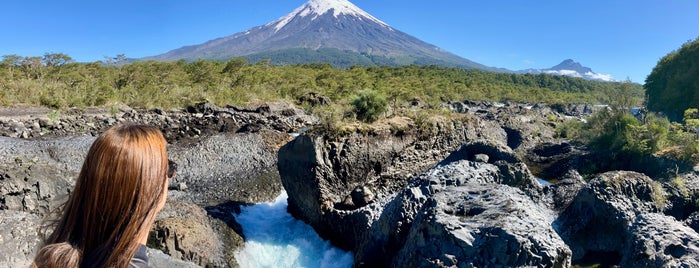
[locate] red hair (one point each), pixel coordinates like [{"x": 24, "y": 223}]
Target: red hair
[{"x": 121, "y": 184}]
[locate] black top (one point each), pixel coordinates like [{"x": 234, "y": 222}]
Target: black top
[{"x": 140, "y": 259}]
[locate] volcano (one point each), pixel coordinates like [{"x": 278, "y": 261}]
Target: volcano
[{"x": 331, "y": 31}]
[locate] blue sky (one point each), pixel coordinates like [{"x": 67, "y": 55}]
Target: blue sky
[{"x": 624, "y": 38}]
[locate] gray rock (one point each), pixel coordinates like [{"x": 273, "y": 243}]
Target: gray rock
[
  {"x": 377, "y": 231},
  {"x": 483, "y": 158},
  {"x": 229, "y": 167},
  {"x": 599, "y": 217},
  {"x": 483, "y": 225},
  {"x": 34, "y": 187},
  {"x": 566, "y": 189},
  {"x": 319, "y": 174},
  {"x": 554, "y": 160},
  {"x": 158, "y": 259},
  {"x": 183, "y": 231},
  {"x": 693, "y": 221},
  {"x": 657, "y": 240},
  {"x": 362, "y": 196},
  {"x": 19, "y": 238}
]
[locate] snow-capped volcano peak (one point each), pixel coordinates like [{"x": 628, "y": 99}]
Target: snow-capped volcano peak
[
  {"x": 317, "y": 8},
  {"x": 571, "y": 68},
  {"x": 332, "y": 31}
]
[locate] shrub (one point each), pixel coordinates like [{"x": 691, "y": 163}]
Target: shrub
[{"x": 369, "y": 105}]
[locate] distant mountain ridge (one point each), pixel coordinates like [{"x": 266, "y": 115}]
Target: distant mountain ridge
[
  {"x": 571, "y": 68},
  {"x": 317, "y": 28}
]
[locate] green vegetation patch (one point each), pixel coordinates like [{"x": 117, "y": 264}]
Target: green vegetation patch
[{"x": 55, "y": 81}]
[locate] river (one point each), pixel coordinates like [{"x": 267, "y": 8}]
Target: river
[{"x": 273, "y": 238}]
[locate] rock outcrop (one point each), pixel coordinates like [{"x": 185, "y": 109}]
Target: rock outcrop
[
  {"x": 620, "y": 213},
  {"x": 657, "y": 240},
  {"x": 482, "y": 225},
  {"x": 322, "y": 175},
  {"x": 599, "y": 217},
  {"x": 178, "y": 125},
  {"x": 433, "y": 220},
  {"x": 183, "y": 231}
]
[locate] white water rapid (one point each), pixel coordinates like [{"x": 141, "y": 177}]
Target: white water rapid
[{"x": 273, "y": 238}]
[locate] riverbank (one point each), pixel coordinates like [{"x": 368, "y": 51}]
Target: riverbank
[{"x": 371, "y": 191}]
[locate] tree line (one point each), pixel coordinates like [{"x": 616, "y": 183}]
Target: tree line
[{"x": 56, "y": 81}]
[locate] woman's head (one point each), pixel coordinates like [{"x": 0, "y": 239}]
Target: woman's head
[{"x": 120, "y": 189}]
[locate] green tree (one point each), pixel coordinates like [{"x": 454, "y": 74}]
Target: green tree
[
  {"x": 55, "y": 59},
  {"x": 11, "y": 62},
  {"x": 673, "y": 85},
  {"x": 369, "y": 105}
]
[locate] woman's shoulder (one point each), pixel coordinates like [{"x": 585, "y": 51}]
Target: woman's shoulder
[{"x": 140, "y": 259}]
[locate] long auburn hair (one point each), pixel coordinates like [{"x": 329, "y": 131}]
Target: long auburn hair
[{"x": 122, "y": 182}]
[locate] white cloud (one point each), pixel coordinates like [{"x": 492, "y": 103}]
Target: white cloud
[
  {"x": 564, "y": 72},
  {"x": 603, "y": 77},
  {"x": 587, "y": 75}
]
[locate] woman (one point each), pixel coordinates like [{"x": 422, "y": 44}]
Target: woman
[{"x": 121, "y": 187}]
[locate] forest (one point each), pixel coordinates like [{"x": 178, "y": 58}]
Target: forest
[{"x": 54, "y": 80}]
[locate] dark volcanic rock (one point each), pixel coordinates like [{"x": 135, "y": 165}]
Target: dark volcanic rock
[
  {"x": 482, "y": 225},
  {"x": 378, "y": 231},
  {"x": 525, "y": 125},
  {"x": 36, "y": 176},
  {"x": 657, "y": 240},
  {"x": 226, "y": 167},
  {"x": 183, "y": 231},
  {"x": 157, "y": 258},
  {"x": 179, "y": 125},
  {"x": 320, "y": 175},
  {"x": 566, "y": 189},
  {"x": 34, "y": 187},
  {"x": 554, "y": 160},
  {"x": 693, "y": 221},
  {"x": 599, "y": 217}
]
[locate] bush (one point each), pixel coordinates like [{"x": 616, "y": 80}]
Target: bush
[{"x": 369, "y": 105}]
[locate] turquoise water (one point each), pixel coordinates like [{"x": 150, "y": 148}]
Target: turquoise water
[{"x": 273, "y": 238}]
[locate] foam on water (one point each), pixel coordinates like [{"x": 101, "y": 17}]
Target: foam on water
[{"x": 273, "y": 238}]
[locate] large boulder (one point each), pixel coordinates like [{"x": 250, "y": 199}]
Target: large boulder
[
  {"x": 657, "y": 240},
  {"x": 37, "y": 175},
  {"x": 483, "y": 225},
  {"x": 183, "y": 231},
  {"x": 389, "y": 224},
  {"x": 599, "y": 218}
]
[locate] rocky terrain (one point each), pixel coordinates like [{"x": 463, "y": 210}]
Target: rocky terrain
[
  {"x": 464, "y": 195},
  {"x": 226, "y": 158},
  {"x": 462, "y": 190}
]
